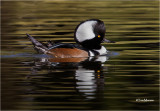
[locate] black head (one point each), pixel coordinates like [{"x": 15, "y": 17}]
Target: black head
[{"x": 90, "y": 33}]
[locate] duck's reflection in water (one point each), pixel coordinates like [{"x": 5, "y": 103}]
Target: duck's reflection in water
[
  {"x": 89, "y": 77},
  {"x": 84, "y": 74}
]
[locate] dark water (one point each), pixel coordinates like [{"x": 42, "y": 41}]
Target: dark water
[{"x": 130, "y": 71}]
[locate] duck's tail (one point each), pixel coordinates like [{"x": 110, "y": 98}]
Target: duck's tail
[{"x": 37, "y": 45}]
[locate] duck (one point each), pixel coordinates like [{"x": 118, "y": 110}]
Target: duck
[{"x": 88, "y": 35}]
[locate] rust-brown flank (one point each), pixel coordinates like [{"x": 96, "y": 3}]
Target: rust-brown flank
[
  {"x": 67, "y": 53},
  {"x": 80, "y": 59}
]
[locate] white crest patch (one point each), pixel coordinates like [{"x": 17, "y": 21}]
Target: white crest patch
[
  {"x": 85, "y": 31},
  {"x": 102, "y": 51}
]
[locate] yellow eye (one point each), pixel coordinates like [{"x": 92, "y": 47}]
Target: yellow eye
[{"x": 99, "y": 36}]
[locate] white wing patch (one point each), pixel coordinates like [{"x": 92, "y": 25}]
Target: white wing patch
[{"x": 85, "y": 31}]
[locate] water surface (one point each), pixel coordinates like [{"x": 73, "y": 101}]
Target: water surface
[{"x": 32, "y": 81}]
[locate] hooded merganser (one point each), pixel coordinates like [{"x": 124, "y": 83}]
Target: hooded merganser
[{"x": 88, "y": 35}]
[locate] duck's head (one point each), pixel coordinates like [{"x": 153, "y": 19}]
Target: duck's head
[{"x": 90, "y": 34}]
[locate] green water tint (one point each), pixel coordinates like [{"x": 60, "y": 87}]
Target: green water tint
[{"x": 33, "y": 83}]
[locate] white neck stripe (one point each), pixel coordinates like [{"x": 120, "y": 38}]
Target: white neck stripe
[{"x": 101, "y": 51}]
